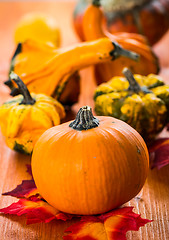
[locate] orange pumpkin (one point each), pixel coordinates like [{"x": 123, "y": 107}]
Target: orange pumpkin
[{"x": 90, "y": 165}]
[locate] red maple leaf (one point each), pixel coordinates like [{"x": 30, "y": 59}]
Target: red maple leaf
[
  {"x": 36, "y": 211},
  {"x": 109, "y": 226},
  {"x": 26, "y": 189}
]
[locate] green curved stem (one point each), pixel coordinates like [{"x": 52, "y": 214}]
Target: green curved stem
[
  {"x": 133, "y": 84},
  {"x": 27, "y": 99},
  {"x": 119, "y": 51}
]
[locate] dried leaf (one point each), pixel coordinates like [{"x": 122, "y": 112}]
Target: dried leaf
[
  {"x": 36, "y": 211},
  {"x": 109, "y": 226},
  {"x": 159, "y": 153}
]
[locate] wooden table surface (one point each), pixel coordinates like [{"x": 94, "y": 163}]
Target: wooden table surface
[{"x": 154, "y": 203}]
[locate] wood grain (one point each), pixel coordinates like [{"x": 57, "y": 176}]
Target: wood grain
[{"x": 153, "y": 200}]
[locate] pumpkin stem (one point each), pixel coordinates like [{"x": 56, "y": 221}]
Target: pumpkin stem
[
  {"x": 96, "y": 3},
  {"x": 27, "y": 99},
  {"x": 134, "y": 86},
  {"x": 119, "y": 51},
  {"x": 84, "y": 119}
]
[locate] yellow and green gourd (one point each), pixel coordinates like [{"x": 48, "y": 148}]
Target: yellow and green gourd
[
  {"x": 141, "y": 101},
  {"x": 25, "y": 117}
]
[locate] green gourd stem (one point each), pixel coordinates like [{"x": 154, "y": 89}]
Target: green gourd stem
[
  {"x": 134, "y": 86},
  {"x": 96, "y": 3},
  {"x": 84, "y": 119},
  {"x": 27, "y": 99},
  {"x": 119, "y": 51}
]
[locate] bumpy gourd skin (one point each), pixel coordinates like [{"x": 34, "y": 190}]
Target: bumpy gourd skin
[
  {"x": 146, "y": 112},
  {"x": 23, "y": 124}
]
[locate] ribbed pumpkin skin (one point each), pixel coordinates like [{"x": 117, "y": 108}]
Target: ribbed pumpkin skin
[{"x": 90, "y": 171}]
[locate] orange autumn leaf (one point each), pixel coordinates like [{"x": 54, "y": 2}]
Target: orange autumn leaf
[{"x": 109, "y": 226}]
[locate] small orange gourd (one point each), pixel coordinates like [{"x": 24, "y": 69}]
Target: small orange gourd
[{"x": 90, "y": 165}]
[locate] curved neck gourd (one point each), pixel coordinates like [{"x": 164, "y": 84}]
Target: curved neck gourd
[{"x": 72, "y": 59}]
